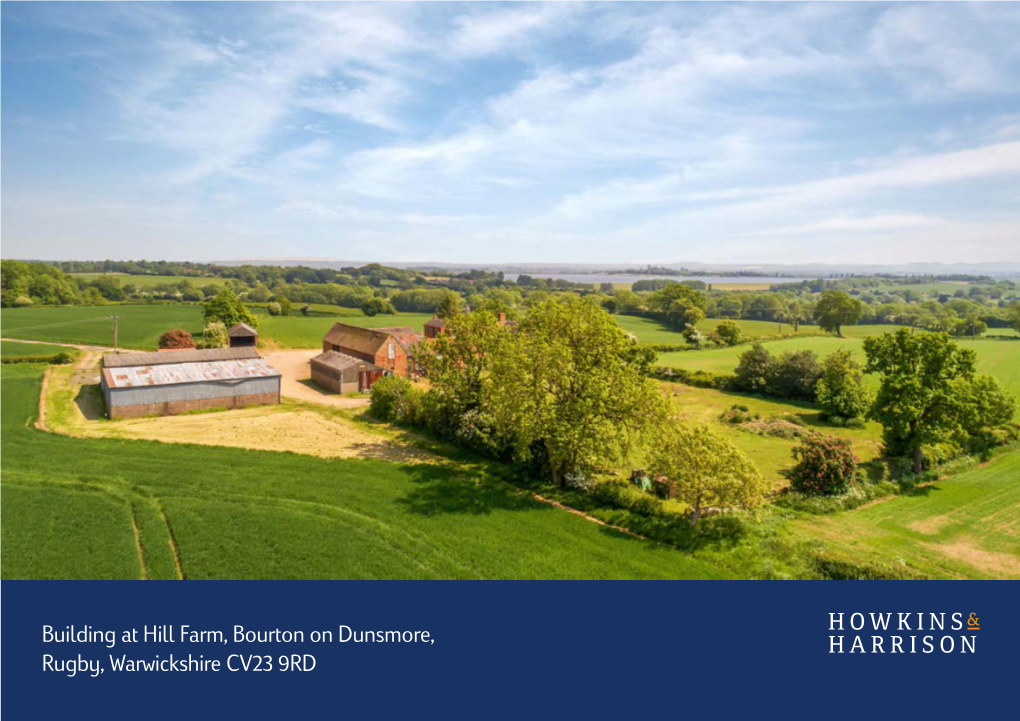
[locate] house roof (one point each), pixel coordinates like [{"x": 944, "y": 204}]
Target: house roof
[
  {"x": 241, "y": 330},
  {"x": 436, "y": 322},
  {"x": 341, "y": 361},
  {"x": 123, "y": 360},
  {"x": 371, "y": 340},
  {"x": 172, "y": 374}
]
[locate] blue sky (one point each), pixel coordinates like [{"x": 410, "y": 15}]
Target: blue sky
[{"x": 610, "y": 132}]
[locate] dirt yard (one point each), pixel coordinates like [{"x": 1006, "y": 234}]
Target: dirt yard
[
  {"x": 73, "y": 406},
  {"x": 297, "y": 379}
]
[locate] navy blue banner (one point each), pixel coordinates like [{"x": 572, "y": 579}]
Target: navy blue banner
[{"x": 491, "y": 649}]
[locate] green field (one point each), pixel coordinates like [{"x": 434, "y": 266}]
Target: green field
[
  {"x": 967, "y": 525},
  {"x": 295, "y": 331},
  {"x": 142, "y": 324},
  {"x": 15, "y": 350},
  {"x": 999, "y": 358},
  {"x": 148, "y": 281},
  {"x": 649, "y": 331},
  {"x": 67, "y": 506}
]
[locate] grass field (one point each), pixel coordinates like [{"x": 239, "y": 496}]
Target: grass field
[
  {"x": 142, "y": 324},
  {"x": 968, "y": 525},
  {"x": 16, "y": 350},
  {"x": 148, "y": 281},
  {"x": 68, "y": 506},
  {"x": 771, "y": 455},
  {"x": 999, "y": 358},
  {"x": 649, "y": 331}
]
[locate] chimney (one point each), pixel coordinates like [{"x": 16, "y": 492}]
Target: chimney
[{"x": 502, "y": 317}]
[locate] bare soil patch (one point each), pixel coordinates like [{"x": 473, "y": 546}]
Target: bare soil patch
[{"x": 994, "y": 563}]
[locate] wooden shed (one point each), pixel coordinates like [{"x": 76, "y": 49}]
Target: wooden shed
[
  {"x": 242, "y": 335},
  {"x": 341, "y": 373}
]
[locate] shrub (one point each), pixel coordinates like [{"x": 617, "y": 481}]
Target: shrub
[
  {"x": 377, "y": 306},
  {"x": 795, "y": 375},
  {"x": 62, "y": 359},
  {"x": 395, "y": 399},
  {"x": 214, "y": 335},
  {"x": 727, "y": 333},
  {"x": 274, "y": 309},
  {"x": 826, "y": 465},
  {"x": 176, "y": 339},
  {"x": 755, "y": 370},
  {"x": 856, "y": 422}
]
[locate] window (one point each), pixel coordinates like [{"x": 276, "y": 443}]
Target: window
[{"x": 392, "y": 351}]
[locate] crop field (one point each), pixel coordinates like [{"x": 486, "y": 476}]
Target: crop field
[
  {"x": 967, "y": 525},
  {"x": 998, "y": 358},
  {"x": 148, "y": 281},
  {"x": 68, "y": 506},
  {"x": 142, "y": 324},
  {"x": 9, "y": 349}
]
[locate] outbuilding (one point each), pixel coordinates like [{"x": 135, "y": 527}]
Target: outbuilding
[
  {"x": 341, "y": 373},
  {"x": 242, "y": 335},
  {"x": 142, "y": 384}
]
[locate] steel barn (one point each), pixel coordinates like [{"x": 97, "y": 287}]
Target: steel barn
[{"x": 170, "y": 382}]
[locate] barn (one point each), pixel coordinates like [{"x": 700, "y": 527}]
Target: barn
[
  {"x": 170, "y": 382},
  {"x": 242, "y": 335},
  {"x": 342, "y": 373},
  {"x": 391, "y": 349}
]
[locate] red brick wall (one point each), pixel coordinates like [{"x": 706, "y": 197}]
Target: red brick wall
[
  {"x": 399, "y": 362},
  {"x": 175, "y": 407}
]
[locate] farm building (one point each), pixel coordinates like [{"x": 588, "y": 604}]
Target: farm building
[
  {"x": 434, "y": 327},
  {"x": 343, "y": 373},
  {"x": 141, "y": 384},
  {"x": 390, "y": 349},
  {"x": 242, "y": 335}
]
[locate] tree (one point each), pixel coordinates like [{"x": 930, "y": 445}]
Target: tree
[
  {"x": 682, "y": 305},
  {"x": 566, "y": 388},
  {"x": 985, "y": 408},
  {"x": 275, "y": 309},
  {"x": 728, "y": 333},
  {"x": 377, "y": 306},
  {"x": 826, "y": 465},
  {"x": 449, "y": 306},
  {"x": 918, "y": 401},
  {"x": 840, "y": 390},
  {"x": 755, "y": 370},
  {"x": 836, "y": 309},
  {"x": 1014, "y": 315},
  {"x": 227, "y": 308},
  {"x": 176, "y": 339},
  {"x": 707, "y": 469},
  {"x": 795, "y": 375}
]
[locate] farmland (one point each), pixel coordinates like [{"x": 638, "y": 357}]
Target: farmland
[
  {"x": 967, "y": 526},
  {"x": 144, "y": 282},
  {"x": 1000, "y": 358},
  {"x": 141, "y": 325},
  {"x": 296, "y": 516}
]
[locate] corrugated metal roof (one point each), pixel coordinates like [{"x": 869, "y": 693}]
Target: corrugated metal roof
[
  {"x": 241, "y": 330},
  {"x": 163, "y": 375},
  {"x": 342, "y": 361},
  {"x": 122, "y": 360}
]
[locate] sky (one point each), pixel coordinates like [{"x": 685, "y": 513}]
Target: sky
[{"x": 521, "y": 132}]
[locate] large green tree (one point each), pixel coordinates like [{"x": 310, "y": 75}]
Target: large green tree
[
  {"x": 682, "y": 305},
  {"x": 836, "y": 309},
  {"x": 226, "y": 308},
  {"x": 918, "y": 401},
  {"x": 567, "y": 385},
  {"x": 840, "y": 390},
  {"x": 707, "y": 469}
]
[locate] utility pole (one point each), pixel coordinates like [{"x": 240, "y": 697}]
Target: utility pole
[{"x": 116, "y": 318}]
